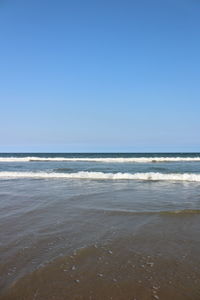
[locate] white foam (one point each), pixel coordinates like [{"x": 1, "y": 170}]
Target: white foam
[
  {"x": 101, "y": 159},
  {"x": 105, "y": 176}
]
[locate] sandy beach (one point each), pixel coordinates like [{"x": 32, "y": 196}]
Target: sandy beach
[{"x": 157, "y": 261}]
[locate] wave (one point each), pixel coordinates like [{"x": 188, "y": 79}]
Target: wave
[
  {"x": 152, "y": 212},
  {"x": 181, "y": 212},
  {"x": 101, "y": 159},
  {"x": 151, "y": 176}
]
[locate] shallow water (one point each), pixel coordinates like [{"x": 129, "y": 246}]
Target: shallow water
[{"x": 94, "y": 238}]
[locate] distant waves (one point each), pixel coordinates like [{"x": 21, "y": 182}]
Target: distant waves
[{"x": 102, "y": 159}]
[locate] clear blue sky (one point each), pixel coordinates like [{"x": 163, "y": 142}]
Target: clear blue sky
[{"x": 98, "y": 75}]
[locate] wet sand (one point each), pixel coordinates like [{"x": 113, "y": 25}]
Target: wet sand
[{"x": 159, "y": 260}]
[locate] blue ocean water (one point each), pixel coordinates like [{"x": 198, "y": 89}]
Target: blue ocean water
[
  {"x": 144, "y": 179},
  {"x": 163, "y": 163}
]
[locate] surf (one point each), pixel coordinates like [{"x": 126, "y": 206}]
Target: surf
[{"x": 148, "y": 176}]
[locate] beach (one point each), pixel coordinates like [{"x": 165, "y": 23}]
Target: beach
[{"x": 125, "y": 226}]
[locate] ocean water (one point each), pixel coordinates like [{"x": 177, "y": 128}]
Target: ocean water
[{"x": 81, "y": 207}]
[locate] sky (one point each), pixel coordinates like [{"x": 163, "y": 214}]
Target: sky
[{"x": 99, "y": 76}]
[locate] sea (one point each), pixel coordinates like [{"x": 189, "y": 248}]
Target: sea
[{"x": 100, "y": 226}]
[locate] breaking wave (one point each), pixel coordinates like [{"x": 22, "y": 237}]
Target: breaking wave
[
  {"x": 105, "y": 176},
  {"x": 101, "y": 159}
]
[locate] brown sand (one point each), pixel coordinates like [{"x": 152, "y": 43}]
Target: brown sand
[{"x": 160, "y": 261}]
